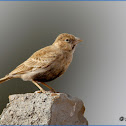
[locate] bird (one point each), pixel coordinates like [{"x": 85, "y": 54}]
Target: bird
[{"x": 47, "y": 63}]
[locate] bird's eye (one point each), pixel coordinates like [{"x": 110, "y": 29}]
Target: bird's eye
[{"x": 67, "y": 40}]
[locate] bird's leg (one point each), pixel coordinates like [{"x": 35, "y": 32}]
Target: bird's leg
[
  {"x": 48, "y": 87},
  {"x": 41, "y": 89}
]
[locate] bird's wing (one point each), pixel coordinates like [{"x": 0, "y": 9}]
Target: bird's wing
[{"x": 40, "y": 59}]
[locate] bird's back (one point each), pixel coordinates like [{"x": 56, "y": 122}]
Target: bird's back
[{"x": 44, "y": 65}]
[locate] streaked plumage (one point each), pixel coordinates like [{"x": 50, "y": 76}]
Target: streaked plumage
[{"x": 47, "y": 63}]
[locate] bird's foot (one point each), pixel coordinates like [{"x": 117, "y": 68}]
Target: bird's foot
[
  {"x": 45, "y": 92},
  {"x": 40, "y": 91}
]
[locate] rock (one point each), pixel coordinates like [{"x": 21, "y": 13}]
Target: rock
[{"x": 43, "y": 109}]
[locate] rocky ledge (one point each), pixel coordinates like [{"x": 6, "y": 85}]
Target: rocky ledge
[{"x": 43, "y": 109}]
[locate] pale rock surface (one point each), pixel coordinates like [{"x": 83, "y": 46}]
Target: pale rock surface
[{"x": 43, "y": 109}]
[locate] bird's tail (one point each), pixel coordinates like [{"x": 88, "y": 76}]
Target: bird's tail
[{"x": 5, "y": 79}]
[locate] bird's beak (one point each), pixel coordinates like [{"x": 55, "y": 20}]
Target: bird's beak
[{"x": 78, "y": 40}]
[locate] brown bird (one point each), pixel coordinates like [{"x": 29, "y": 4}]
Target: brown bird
[{"x": 47, "y": 63}]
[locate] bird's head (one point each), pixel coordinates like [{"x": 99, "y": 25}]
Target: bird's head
[{"x": 66, "y": 41}]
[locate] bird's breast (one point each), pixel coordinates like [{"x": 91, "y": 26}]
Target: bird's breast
[{"x": 55, "y": 70}]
